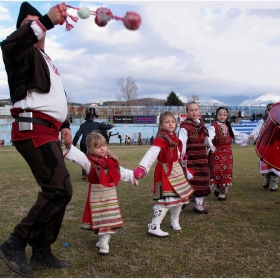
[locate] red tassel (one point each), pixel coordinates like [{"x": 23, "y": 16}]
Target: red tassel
[
  {"x": 73, "y": 18},
  {"x": 69, "y": 26}
]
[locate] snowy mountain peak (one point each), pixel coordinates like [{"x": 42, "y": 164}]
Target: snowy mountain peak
[
  {"x": 210, "y": 102},
  {"x": 263, "y": 100}
]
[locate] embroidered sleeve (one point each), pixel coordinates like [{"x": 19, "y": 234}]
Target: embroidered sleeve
[
  {"x": 38, "y": 29},
  {"x": 150, "y": 157},
  {"x": 183, "y": 136},
  {"x": 241, "y": 139},
  {"x": 208, "y": 140},
  {"x": 127, "y": 176},
  {"x": 257, "y": 129},
  {"x": 75, "y": 155}
]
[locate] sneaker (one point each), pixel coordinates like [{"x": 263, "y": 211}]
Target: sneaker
[
  {"x": 265, "y": 186},
  {"x": 274, "y": 188}
]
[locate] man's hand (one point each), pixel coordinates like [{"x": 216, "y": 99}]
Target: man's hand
[
  {"x": 66, "y": 137},
  {"x": 55, "y": 14}
]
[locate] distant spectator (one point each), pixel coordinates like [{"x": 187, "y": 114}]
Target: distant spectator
[
  {"x": 239, "y": 114},
  {"x": 234, "y": 118},
  {"x": 253, "y": 117},
  {"x": 152, "y": 140},
  {"x": 127, "y": 140},
  {"x": 87, "y": 127},
  {"x": 139, "y": 138},
  {"x": 110, "y": 134},
  {"x": 120, "y": 137}
]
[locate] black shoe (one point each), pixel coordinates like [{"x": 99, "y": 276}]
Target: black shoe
[
  {"x": 216, "y": 193},
  {"x": 12, "y": 252},
  {"x": 205, "y": 212},
  {"x": 42, "y": 258}
]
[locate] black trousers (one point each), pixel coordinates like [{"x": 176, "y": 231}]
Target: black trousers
[{"x": 42, "y": 224}]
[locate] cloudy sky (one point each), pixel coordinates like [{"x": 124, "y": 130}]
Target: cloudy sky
[{"x": 212, "y": 49}]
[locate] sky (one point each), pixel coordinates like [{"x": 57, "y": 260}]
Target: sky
[{"x": 213, "y": 49}]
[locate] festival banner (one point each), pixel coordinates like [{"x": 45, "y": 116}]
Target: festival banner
[
  {"x": 144, "y": 119},
  {"x": 122, "y": 119}
]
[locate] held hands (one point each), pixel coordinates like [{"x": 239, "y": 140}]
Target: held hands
[
  {"x": 68, "y": 141},
  {"x": 213, "y": 149},
  {"x": 189, "y": 174},
  {"x": 139, "y": 172},
  {"x": 184, "y": 161}
]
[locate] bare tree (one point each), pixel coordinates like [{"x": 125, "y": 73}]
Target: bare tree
[
  {"x": 128, "y": 90},
  {"x": 193, "y": 97}
]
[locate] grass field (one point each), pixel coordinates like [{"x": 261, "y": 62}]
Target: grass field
[{"x": 239, "y": 238}]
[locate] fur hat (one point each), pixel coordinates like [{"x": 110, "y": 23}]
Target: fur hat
[{"x": 26, "y": 9}]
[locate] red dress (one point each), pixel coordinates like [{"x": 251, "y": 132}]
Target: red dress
[
  {"x": 102, "y": 211},
  {"x": 222, "y": 159},
  {"x": 164, "y": 177},
  {"x": 197, "y": 156}
]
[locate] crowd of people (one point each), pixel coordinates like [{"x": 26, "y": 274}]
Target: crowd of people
[{"x": 189, "y": 165}]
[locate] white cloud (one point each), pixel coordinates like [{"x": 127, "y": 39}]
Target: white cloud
[{"x": 205, "y": 48}]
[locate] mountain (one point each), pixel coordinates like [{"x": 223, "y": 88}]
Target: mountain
[
  {"x": 206, "y": 101},
  {"x": 263, "y": 100},
  {"x": 233, "y": 100}
]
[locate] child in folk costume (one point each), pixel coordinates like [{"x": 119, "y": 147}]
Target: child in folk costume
[
  {"x": 102, "y": 211},
  {"x": 220, "y": 139},
  {"x": 193, "y": 134},
  {"x": 268, "y": 172},
  {"x": 171, "y": 189}
]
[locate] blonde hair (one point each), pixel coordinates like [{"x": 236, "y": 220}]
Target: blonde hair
[
  {"x": 94, "y": 140},
  {"x": 163, "y": 116},
  {"x": 192, "y": 102}
]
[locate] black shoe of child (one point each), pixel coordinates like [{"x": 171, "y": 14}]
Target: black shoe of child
[
  {"x": 216, "y": 193},
  {"x": 200, "y": 211}
]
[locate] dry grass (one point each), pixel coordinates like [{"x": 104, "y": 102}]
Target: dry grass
[{"x": 239, "y": 238}]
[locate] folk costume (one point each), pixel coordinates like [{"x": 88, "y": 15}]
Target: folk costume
[
  {"x": 221, "y": 157},
  {"x": 193, "y": 135},
  {"x": 102, "y": 212},
  {"x": 171, "y": 189},
  {"x": 36, "y": 90},
  {"x": 267, "y": 171}
]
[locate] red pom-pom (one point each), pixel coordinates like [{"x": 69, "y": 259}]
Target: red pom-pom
[
  {"x": 103, "y": 15},
  {"x": 132, "y": 21}
]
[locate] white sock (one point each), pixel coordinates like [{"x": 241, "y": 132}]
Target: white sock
[{"x": 199, "y": 203}]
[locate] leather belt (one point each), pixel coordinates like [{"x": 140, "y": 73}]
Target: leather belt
[{"x": 34, "y": 120}]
